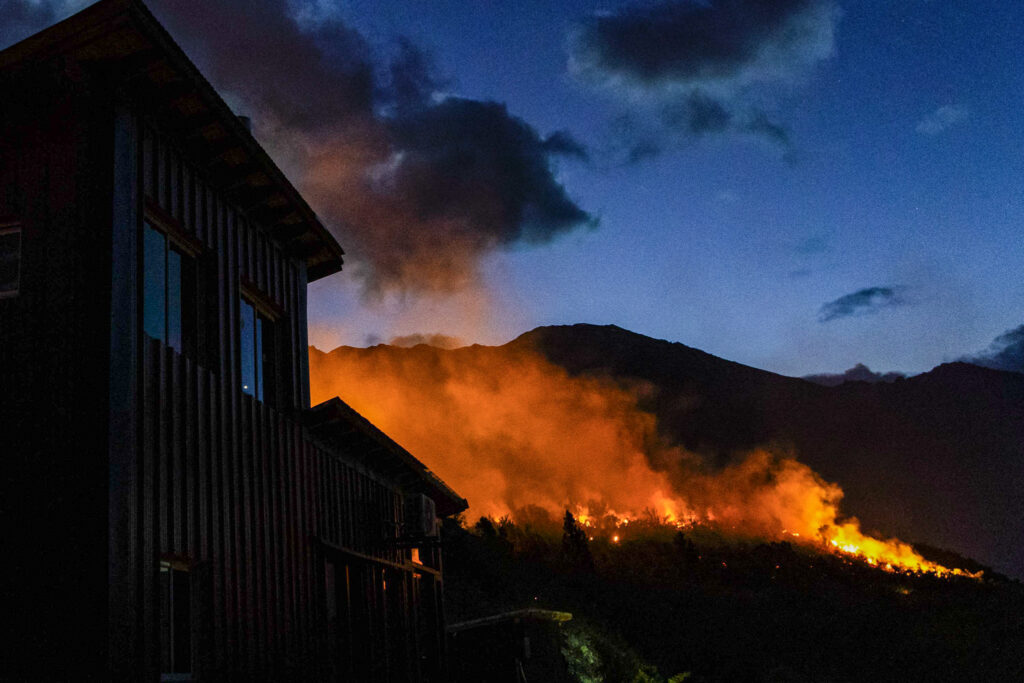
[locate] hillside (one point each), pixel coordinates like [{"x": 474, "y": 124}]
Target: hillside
[
  {"x": 662, "y": 606},
  {"x": 935, "y": 459}
]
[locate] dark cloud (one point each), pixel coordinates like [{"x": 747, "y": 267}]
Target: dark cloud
[
  {"x": 561, "y": 142},
  {"x": 460, "y": 178},
  {"x": 812, "y": 246},
  {"x": 862, "y": 302},
  {"x": 1005, "y": 353},
  {"x": 472, "y": 163},
  {"x": 709, "y": 66},
  {"x": 21, "y": 18},
  {"x": 686, "y": 40},
  {"x": 302, "y": 78},
  {"x": 441, "y": 341},
  {"x": 418, "y": 187},
  {"x": 858, "y": 373},
  {"x": 413, "y": 79}
]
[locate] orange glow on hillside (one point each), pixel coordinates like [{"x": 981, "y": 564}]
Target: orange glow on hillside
[{"x": 517, "y": 435}]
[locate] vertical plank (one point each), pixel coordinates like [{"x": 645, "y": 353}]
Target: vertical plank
[
  {"x": 161, "y": 171},
  {"x": 272, "y": 550},
  {"x": 163, "y": 455},
  {"x": 262, "y": 522},
  {"x": 192, "y": 463},
  {"x": 218, "y": 524},
  {"x": 126, "y": 378},
  {"x": 176, "y": 480},
  {"x": 148, "y": 513},
  {"x": 204, "y": 527},
  {"x": 173, "y": 206},
  {"x": 146, "y": 167}
]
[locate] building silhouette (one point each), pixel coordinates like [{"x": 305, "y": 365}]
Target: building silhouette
[{"x": 173, "y": 508}]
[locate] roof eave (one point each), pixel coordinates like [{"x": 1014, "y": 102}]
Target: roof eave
[
  {"x": 336, "y": 411},
  {"x": 314, "y": 244}
]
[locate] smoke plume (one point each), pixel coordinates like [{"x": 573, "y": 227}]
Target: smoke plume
[
  {"x": 418, "y": 186},
  {"x": 516, "y": 434}
]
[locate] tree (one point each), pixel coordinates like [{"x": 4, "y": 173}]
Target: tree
[{"x": 575, "y": 546}]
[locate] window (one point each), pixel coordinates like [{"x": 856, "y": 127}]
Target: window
[
  {"x": 258, "y": 348},
  {"x": 175, "y": 622},
  {"x": 10, "y": 260},
  {"x": 169, "y": 295}
]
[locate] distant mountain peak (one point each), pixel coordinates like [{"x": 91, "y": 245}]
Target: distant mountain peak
[{"x": 858, "y": 373}]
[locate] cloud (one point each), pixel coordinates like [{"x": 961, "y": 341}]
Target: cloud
[
  {"x": 1005, "y": 353},
  {"x": 812, "y": 246},
  {"x": 418, "y": 186},
  {"x": 858, "y": 373},
  {"x": 708, "y": 67},
  {"x": 941, "y": 119},
  {"x": 862, "y": 302},
  {"x": 21, "y": 18}
]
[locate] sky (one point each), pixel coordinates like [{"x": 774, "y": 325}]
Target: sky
[{"x": 797, "y": 185}]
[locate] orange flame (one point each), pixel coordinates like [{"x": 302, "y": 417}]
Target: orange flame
[{"x": 513, "y": 432}]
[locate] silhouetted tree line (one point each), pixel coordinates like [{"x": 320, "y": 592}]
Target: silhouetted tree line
[{"x": 663, "y": 602}]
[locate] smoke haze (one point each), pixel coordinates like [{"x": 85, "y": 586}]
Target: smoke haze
[{"x": 515, "y": 434}]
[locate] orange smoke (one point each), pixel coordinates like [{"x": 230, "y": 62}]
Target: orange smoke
[
  {"x": 400, "y": 252},
  {"x": 509, "y": 430}
]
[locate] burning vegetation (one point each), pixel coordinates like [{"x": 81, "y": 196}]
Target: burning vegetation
[{"x": 522, "y": 438}]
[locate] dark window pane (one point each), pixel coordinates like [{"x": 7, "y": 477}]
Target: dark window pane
[
  {"x": 10, "y": 261},
  {"x": 166, "y": 620},
  {"x": 247, "y": 332},
  {"x": 174, "y": 300},
  {"x": 154, "y": 278},
  {"x": 182, "y": 619},
  {"x": 175, "y": 609}
]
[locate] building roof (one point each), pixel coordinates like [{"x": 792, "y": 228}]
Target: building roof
[
  {"x": 515, "y": 616},
  {"x": 121, "y": 41},
  {"x": 336, "y": 423}
]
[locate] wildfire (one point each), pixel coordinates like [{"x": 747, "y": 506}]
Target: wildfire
[{"x": 519, "y": 436}]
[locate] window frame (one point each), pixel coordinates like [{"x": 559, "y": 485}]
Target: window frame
[
  {"x": 10, "y": 227},
  {"x": 173, "y": 564},
  {"x": 264, "y": 309},
  {"x": 175, "y": 239}
]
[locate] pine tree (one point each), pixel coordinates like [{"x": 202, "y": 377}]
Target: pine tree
[{"x": 575, "y": 546}]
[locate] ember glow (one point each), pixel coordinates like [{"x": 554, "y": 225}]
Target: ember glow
[{"x": 519, "y": 436}]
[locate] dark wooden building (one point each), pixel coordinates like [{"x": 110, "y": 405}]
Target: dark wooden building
[{"x": 172, "y": 507}]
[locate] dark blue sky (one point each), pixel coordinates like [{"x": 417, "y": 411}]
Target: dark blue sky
[
  {"x": 798, "y": 185},
  {"x": 904, "y": 171}
]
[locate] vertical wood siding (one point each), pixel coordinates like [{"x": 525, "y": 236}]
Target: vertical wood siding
[
  {"x": 241, "y": 250},
  {"x": 232, "y": 485},
  {"x": 249, "y": 506}
]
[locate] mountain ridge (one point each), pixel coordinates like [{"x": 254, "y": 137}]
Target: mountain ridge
[{"x": 936, "y": 458}]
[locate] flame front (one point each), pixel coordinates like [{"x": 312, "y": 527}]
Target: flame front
[{"x": 517, "y": 435}]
